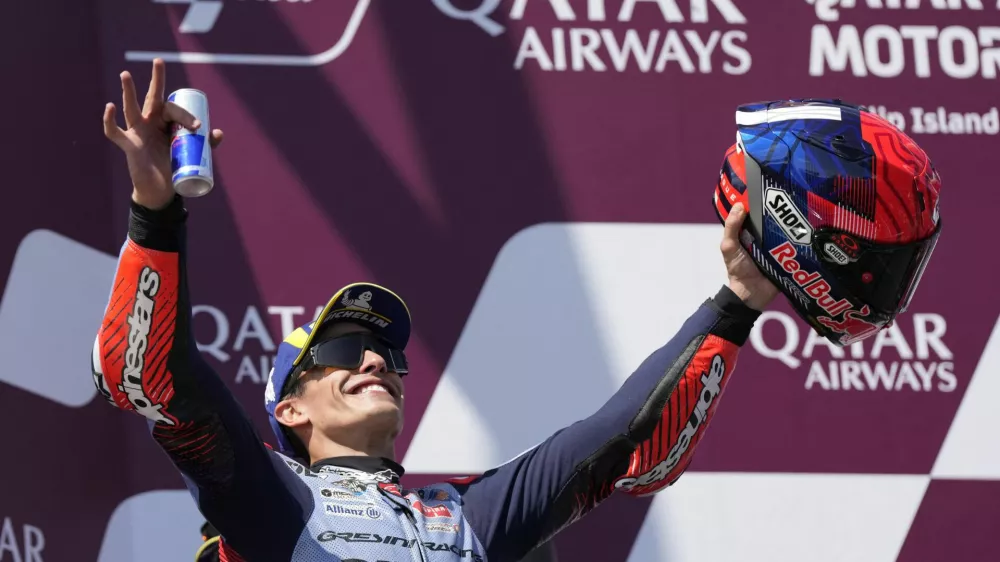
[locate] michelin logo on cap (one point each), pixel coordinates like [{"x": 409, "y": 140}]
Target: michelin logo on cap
[
  {"x": 358, "y": 309},
  {"x": 364, "y": 300}
]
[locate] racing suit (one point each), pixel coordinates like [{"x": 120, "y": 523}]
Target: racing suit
[{"x": 273, "y": 508}]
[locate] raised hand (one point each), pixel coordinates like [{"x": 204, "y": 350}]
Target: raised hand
[
  {"x": 753, "y": 288},
  {"x": 146, "y": 138}
]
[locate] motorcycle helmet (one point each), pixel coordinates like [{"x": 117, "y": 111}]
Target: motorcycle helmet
[{"x": 842, "y": 210}]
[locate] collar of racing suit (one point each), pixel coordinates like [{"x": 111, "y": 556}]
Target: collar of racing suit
[{"x": 371, "y": 465}]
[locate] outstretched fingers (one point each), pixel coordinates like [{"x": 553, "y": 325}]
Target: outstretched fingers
[
  {"x": 130, "y": 105},
  {"x": 157, "y": 83},
  {"x": 112, "y": 131}
]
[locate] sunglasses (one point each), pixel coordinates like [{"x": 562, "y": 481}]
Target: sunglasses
[{"x": 348, "y": 352}]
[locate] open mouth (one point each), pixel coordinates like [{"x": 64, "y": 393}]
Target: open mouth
[{"x": 373, "y": 387}]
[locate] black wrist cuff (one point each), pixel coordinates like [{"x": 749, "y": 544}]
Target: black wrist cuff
[
  {"x": 157, "y": 229},
  {"x": 736, "y": 319}
]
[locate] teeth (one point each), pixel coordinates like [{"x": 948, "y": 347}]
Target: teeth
[{"x": 374, "y": 388}]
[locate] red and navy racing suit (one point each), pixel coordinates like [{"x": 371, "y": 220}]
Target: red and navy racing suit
[{"x": 271, "y": 508}]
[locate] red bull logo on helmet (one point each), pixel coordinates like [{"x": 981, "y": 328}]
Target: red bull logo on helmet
[
  {"x": 852, "y": 326},
  {"x": 815, "y": 286}
]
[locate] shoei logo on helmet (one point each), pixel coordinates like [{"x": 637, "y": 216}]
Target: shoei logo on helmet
[
  {"x": 835, "y": 253},
  {"x": 788, "y": 216},
  {"x": 841, "y": 249}
]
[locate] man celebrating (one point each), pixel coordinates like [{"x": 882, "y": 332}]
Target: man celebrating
[{"x": 329, "y": 489}]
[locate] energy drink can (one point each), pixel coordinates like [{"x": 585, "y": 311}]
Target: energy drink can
[{"x": 190, "y": 151}]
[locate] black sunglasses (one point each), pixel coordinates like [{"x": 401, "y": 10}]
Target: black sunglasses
[{"x": 348, "y": 352}]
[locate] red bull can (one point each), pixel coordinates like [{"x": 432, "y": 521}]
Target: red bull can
[{"x": 190, "y": 151}]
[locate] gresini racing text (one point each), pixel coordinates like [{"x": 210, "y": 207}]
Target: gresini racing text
[{"x": 401, "y": 542}]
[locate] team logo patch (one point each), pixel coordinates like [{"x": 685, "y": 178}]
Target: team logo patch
[
  {"x": 360, "y": 512},
  {"x": 442, "y": 527},
  {"x": 385, "y": 476},
  {"x": 391, "y": 488},
  {"x": 341, "y": 494},
  {"x": 432, "y": 511},
  {"x": 352, "y": 485}
]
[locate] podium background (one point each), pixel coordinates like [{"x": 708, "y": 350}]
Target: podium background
[{"x": 535, "y": 178}]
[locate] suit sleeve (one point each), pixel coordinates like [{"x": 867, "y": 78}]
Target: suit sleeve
[
  {"x": 146, "y": 361},
  {"x": 639, "y": 442}
]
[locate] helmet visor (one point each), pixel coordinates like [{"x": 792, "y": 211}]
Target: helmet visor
[{"x": 884, "y": 276}]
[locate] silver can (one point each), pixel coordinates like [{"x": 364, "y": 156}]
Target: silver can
[{"x": 191, "y": 151}]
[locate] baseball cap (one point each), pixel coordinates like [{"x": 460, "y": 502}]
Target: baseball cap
[{"x": 365, "y": 304}]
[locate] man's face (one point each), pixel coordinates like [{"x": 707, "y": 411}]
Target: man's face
[{"x": 339, "y": 402}]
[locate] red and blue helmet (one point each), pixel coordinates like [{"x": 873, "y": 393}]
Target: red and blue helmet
[{"x": 843, "y": 210}]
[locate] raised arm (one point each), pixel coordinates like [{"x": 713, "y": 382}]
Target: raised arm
[
  {"x": 640, "y": 441},
  {"x": 145, "y": 358}
]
